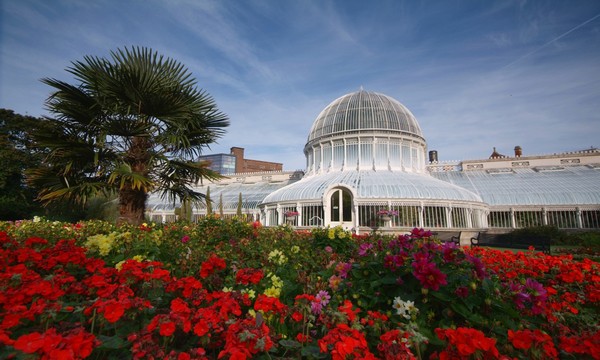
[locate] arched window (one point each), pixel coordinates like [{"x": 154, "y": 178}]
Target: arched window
[{"x": 341, "y": 206}]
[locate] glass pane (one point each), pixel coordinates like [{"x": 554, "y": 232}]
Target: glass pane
[
  {"x": 335, "y": 206},
  {"x": 347, "y": 204}
]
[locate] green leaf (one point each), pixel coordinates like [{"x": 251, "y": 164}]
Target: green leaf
[
  {"x": 313, "y": 351},
  {"x": 112, "y": 342},
  {"x": 461, "y": 309},
  {"x": 291, "y": 344},
  {"x": 442, "y": 295}
]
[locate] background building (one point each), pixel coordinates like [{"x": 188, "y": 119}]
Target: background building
[{"x": 226, "y": 164}]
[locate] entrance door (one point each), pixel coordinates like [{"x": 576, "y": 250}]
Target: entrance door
[{"x": 341, "y": 208}]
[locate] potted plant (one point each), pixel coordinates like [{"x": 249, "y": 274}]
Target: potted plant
[
  {"x": 291, "y": 215},
  {"x": 386, "y": 214}
]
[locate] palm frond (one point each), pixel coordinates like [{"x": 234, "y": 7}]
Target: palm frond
[{"x": 125, "y": 177}]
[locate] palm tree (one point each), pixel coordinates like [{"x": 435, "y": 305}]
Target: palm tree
[{"x": 133, "y": 124}]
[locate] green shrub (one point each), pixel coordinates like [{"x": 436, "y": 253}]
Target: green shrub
[
  {"x": 534, "y": 234},
  {"x": 588, "y": 239}
]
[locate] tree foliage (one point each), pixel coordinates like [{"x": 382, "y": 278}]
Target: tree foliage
[
  {"x": 16, "y": 198},
  {"x": 133, "y": 124}
]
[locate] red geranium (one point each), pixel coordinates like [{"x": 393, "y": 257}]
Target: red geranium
[
  {"x": 248, "y": 276},
  {"x": 466, "y": 342},
  {"x": 214, "y": 263}
]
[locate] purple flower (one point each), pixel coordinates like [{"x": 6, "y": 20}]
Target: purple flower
[
  {"x": 185, "y": 239},
  {"x": 538, "y": 295},
  {"x": 364, "y": 248},
  {"x": 535, "y": 288},
  {"x": 479, "y": 267},
  {"x": 321, "y": 299},
  {"x": 520, "y": 297},
  {"x": 420, "y": 233},
  {"x": 343, "y": 269}
]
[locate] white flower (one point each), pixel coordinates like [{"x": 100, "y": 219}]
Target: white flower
[{"x": 405, "y": 308}]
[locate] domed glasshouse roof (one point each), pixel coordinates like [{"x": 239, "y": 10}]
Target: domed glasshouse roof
[
  {"x": 374, "y": 185},
  {"x": 364, "y": 110}
]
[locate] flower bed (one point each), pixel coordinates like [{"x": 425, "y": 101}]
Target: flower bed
[{"x": 232, "y": 290}]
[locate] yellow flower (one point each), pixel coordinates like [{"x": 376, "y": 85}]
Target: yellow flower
[
  {"x": 277, "y": 282},
  {"x": 102, "y": 243},
  {"x": 295, "y": 249},
  {"x": 277, "y": 257},
  {"x": 273, "y": 292},
  {"x": 119, "y": 265},
  {"x": 331, "y": 234}
]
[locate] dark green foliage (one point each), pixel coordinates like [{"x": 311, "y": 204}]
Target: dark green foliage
[
  {"x": 17, "y": 200},
  {"x": 536, "y": 234}
]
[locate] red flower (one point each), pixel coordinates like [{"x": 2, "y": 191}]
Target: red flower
[
  {"x": 343, "y": 341},
  {"x": 528, "y": 339},
  {"x": 248, "y": 276},
  {"x": 269, "y": 304},
  {"x": 167, "y": 328},
  {"x": 113, "y": 311},
  {"x": 464, "y": 342},
  {"x": 201, "y": 328},
  {"x": 346, "y": 308},
  {"x": 520, "y": 340},
  {"x": 29, "y": 343},
  {"x": 301, "y": 338},
  {"x": 214, "y": 263},
  {"x": 297, "y": 317}
]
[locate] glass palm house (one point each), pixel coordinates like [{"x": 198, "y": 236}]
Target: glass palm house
[{"x": 366, "y": 155}]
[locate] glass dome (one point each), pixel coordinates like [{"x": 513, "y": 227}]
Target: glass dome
[
  {"x": 364, "y": 111},
  {"x": 365, "y": 131}
]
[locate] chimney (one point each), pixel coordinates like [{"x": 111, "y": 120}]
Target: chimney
[
  {"x": 238, "y": 152},
  {"x": 433, "y": 156},
  {"x": 518, "y": 151}
]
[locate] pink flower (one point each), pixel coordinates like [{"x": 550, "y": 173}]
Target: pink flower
[
  {"x": 185, "y": 239},
  {"x": 322, "y": 299},
  {"x": 428, "y": 274}
]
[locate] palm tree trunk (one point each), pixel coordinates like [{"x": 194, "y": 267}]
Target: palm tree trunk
[
  {"x": 132, "y": 199},
  {"x": 132, "y": 205}
]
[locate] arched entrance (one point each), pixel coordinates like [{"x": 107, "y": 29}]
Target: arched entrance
[{"x": 340, "y": 208}]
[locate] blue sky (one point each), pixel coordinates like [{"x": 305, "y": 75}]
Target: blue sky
[{"x": 476, "y": 74}]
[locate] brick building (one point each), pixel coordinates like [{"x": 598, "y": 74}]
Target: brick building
[{"x": 243, "y": 165}]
